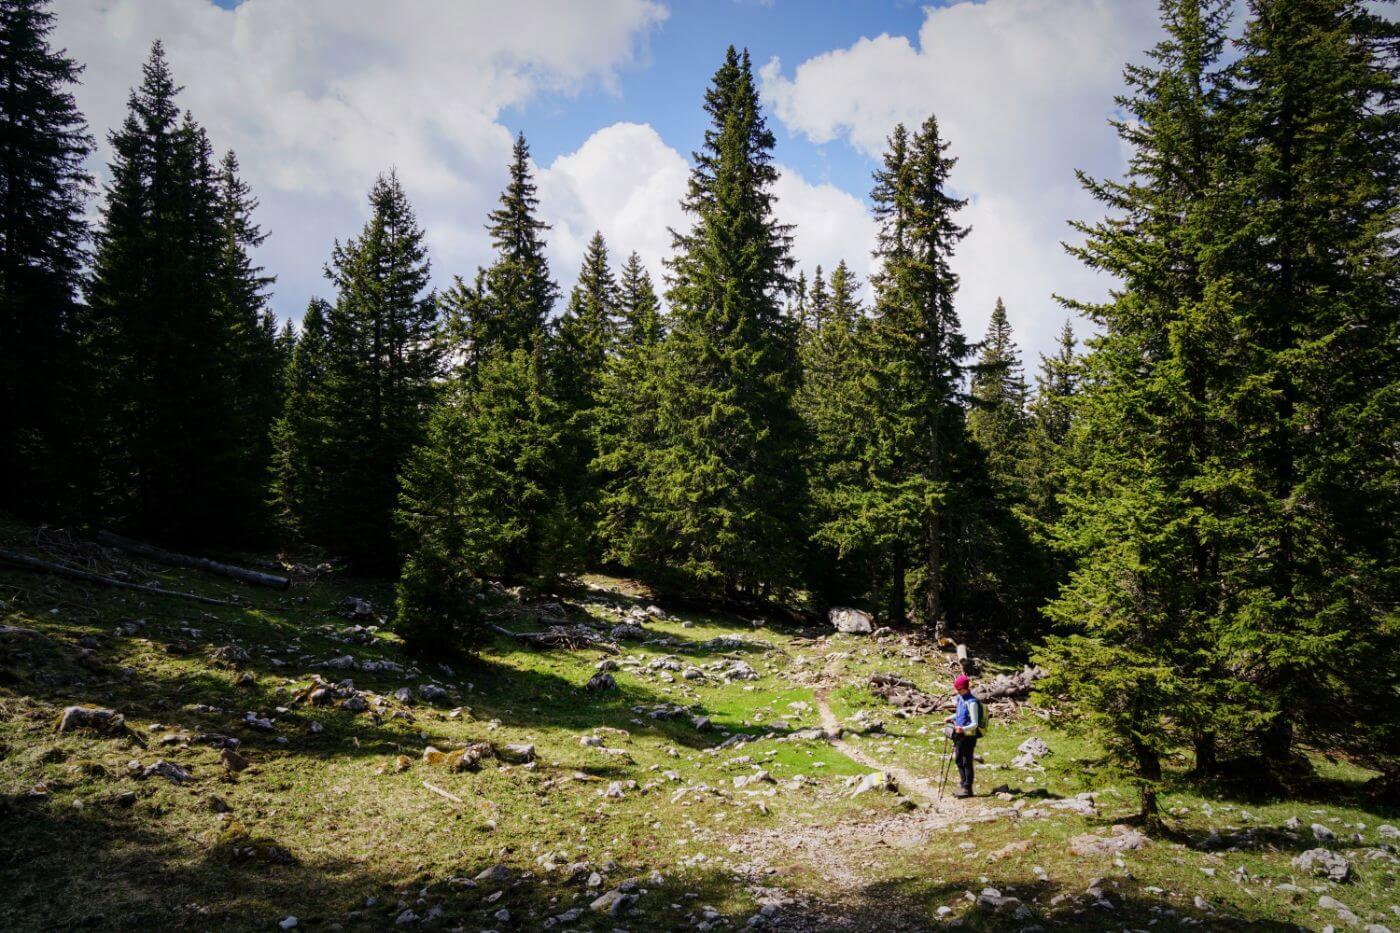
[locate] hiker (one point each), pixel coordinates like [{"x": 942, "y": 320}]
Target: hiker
[{"x": 966, "y": 725}]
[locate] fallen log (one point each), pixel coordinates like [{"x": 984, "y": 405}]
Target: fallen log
[
  {"x": 25, "y": 562},
  {"x": 161, "y": 555}
]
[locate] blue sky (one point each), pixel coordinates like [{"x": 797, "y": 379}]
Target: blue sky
[{"x": 319, "y": 96}]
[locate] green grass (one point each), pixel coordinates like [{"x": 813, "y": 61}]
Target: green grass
[{"x": 363, "y": 833}]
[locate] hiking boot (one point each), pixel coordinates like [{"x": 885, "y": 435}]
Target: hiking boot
[{"x": 963, "y": 792}]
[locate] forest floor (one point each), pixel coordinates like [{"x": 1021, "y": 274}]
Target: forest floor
[{"x": 749, "y": 820}]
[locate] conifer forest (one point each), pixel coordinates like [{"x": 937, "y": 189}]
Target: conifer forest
[{"x": 635, "y": 601}]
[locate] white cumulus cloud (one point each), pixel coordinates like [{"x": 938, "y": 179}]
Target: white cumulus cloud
[
  {"x": 318, "y": 96},
  {"x": 1023, "y": 90}
]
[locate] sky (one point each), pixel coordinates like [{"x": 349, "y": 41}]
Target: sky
[{"x": 319, "y": 96}]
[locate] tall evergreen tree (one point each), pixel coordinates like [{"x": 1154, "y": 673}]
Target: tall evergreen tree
[
  {"x": 997, "y": 417},
  {"x": 829, "y": 401},
  {"x": 300, "y": 435},
  {"x": 638, "y": 306},
  {"x": 509, "y": 303},
  {"x": 1140, "y": 666},
  {"x": 914, "y": 449},
  {"x": 585, "y": 336},
  {"x": 159, "y": 338},
  {"x": 1050, "y": 416},
  {"x": 381, "y": 363},
  {"x": 254, "y": 364},
  {"x": 625, "y": 424},
  {"x": 723, "y": 486},
  {"x": 1312, "y": 563},
  {"x": 43, "y": 189}
]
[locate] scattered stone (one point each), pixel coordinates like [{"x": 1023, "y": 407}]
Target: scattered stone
[
  {"x": 602, "y": 681},
  {"x": 92, "y": 718},
  {"x": 1010, "y": 849},
  {"x": 1387, "y": 831},
  {"x": 496, "y": 874},
  {"x": 628, "y": 632},
  {"x": 287, "y": 923},
  {"x": 850, "y": 621},
  {"x": 1322, "y": 833},
  {"x": 875, "y": 780},
  {"x": 172, "y": 772},
  {"x": 701, "y": 723},
  {"x": 353, "y": 608},
  {"x": 1123, "y": 839},
  {"x": 516, "y": 754},
  {"x": 591, "y": 741},
  {"x": 1324, "y": 862},
  {"x": 231, "y": 655},
  {"x": 432, "y": 692},
  {"x": 354, "y": 704},
  {"x": 233, "y": 762},
  {"x": 612, "y": 903},
  {"x": 607, "y": 664}
]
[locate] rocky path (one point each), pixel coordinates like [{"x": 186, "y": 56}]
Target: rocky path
[{"x": 846, "y": 856}]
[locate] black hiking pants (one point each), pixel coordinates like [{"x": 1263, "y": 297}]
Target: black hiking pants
[{"x": 963, "y": 746}]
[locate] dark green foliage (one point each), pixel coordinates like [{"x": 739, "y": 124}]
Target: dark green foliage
[
  {"x": 720, "y": 491},
  {"x": 43, "y": 145},
  {"x": 380, "y": 363},
  {"x": 914, "y": 489}
]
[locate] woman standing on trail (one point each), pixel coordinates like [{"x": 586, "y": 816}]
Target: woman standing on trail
[{"x": 966, "y": 726}]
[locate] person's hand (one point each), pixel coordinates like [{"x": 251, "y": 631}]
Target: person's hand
[{"x": 948, "y": 719}]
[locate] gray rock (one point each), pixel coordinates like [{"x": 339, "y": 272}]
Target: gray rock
[
  {"x": 628, "y": 632},
  {"x": 1322, "y": 833},
  {"x": 602, "y": 681},
  {"x": 496, "y": 874},
  {"x": 354, "y": 704},
  {"x": 1387, "y": 831},
  {"x": 432, "y": 692},
  {"x": 404, "y": 695},
  {"x": 851, "y": 621},
  {"x": 613, "y": 903},
  {"x": 1324, "y": 862},
  {"x": 172, "y": 772},
  {"x": 1034, "y": 746},
  {"x": 287, "y": 923},
  {"x": 93, "y": 718},
  {"x": 516, "y": 754}
]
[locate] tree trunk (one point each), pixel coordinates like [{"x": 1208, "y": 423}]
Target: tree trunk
[
  {"x": 1276, "y": 741},
  {"x": 1206, "y": 761},
  {"x": 897, "y": 605},
  {"x": 160, "y": 555},
  {"x": 1149, "y": 769}
]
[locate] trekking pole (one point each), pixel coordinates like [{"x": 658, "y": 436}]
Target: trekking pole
[{"x": 943, "y": 774}]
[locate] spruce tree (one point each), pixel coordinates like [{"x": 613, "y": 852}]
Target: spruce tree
[
  {"x": 1140, "y": 665},
  {"x": 509, "y": 303},
  {"x": 254, "y": 364},
  {"x": 1312, "y": 562},
  {"x": 381, "y": 363},
  {"x": 585, "y": 337},
  {"x": 914, "y": 494},
  {"x": 638, "y": 306},
  {"x": 625, "y": 423},
  {"x": 1050, "y": 417},
  {"x": 997, "y": 417},
  {"x": 43, "y": 190},
  {"x": 300, "y": 435},
  {"x": 159, "y": 339},
  {"x": 829, "y": 401},
  {"x": 723, "y": 485}
]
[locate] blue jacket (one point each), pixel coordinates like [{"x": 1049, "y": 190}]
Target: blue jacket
[{"x": 968, "y": 714}]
